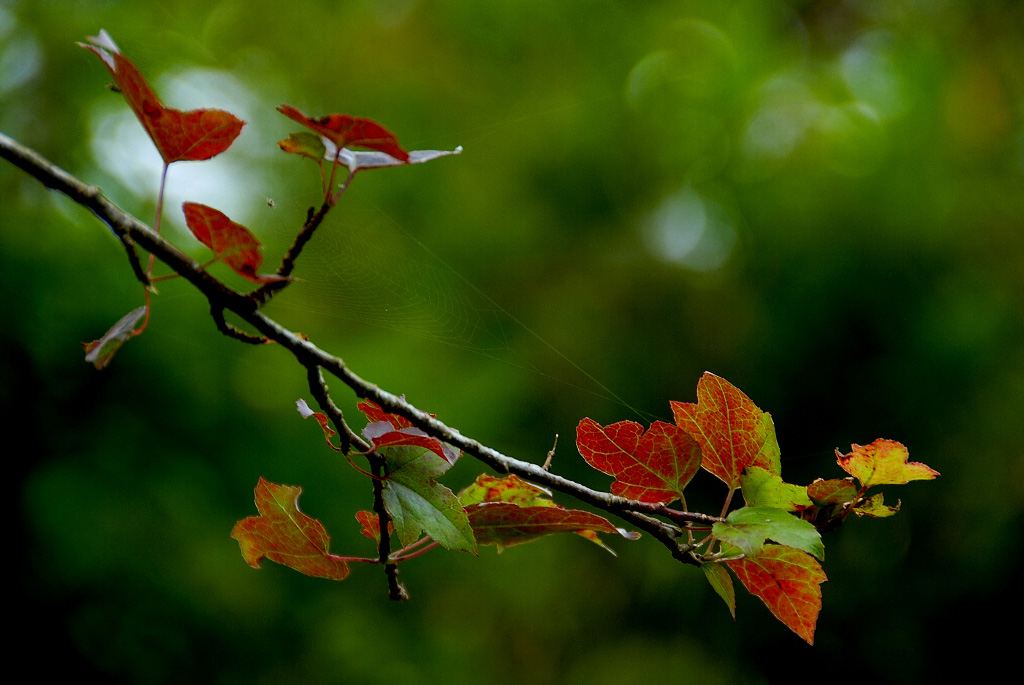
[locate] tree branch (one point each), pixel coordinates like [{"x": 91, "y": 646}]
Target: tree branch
[{"x": 130, "y": 230}]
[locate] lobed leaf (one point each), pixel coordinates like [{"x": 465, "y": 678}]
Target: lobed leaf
[
  {"x": 370, "y": 524},
  {"x": 883, "y": 462},
  {"x": 508, "y": 489},
  {"x": 179, "y": 136},
  {"x": 649, "y": 467},
  {"x": 418, "y": 504},
  {"x": 836, "y": 491},
  {"x": 732, "y": 432},
  {"x": 505, "y": 527},
  {"x": 233, "y": 243},
  {"x": 506, "y": 523},
  {"x": 875, "y": 507},
  {"x": 344, "y": 130},
  {"x": 788, "y": 582},
  {"x": 286, "y": 536},
  {"x": 392, "y": 430},
  {"x": 748, "y": 527},
  {"x": 762, "y": 488}
]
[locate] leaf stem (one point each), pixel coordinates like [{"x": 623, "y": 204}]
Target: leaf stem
[{"x": 407, "y": 557}]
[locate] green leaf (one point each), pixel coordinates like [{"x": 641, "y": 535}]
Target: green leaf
[
  {"x": 762, "y": 488},
  {"x": 748, "y": 528},
  {"x": 304, "y": 143},
  {"x": 875, "y": 508},
  {"x": 721, "y": 581},
  {"x": 418, "y": 504}
]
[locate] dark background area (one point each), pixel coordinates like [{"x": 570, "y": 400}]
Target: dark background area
[{"x": 822, "y": 202}]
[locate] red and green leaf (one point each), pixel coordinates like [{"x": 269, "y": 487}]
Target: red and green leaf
[
  {"x": 287, "y": 536},
  {"x": 100, "y": 352},
  {"x": 788, "y": 582},
  {"x": 510, "y": 489},
  {"x": 344, "y": 130},
  {"x": 653, "y": 466},
  {"x": 832, "y": 492},
  {"x": 732, "y": 432},
  {"x": 233, "y": 243},
  {"x": 883, "y": 462},
  {"x": 526, "y": 513},
  {"x": 304, "y": 143},
  {"x": 505, "y": 523},
  {"x": 179, "y": 136}
]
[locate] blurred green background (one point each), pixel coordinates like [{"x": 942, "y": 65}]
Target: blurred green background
[{"x": 822, "y": 202}]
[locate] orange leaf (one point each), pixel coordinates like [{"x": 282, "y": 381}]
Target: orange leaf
[
  {"x": 286, "y": 536},
  {"x": 233, "y": 243},
  {"x": 179, "y": 136},
  {"x": 787, "y": 581},
  {"x": 344, "y": 130},
  {"x": 883, "y": 462},
  {"x": 731, "y": 431},
  {"x": 370, "y": 523}
]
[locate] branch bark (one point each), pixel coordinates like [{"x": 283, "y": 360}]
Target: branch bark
[{"x": 130, "y": 231}]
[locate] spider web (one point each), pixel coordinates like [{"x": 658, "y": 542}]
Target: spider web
[
  {"x": 369, "y": 271},
  {"x": 376, "y": 274}
]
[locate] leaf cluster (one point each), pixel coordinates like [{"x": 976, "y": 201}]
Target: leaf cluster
[{"x": 767, "y": 533}]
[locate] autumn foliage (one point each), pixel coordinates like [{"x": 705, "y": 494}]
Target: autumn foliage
[{"x": 767, "y": 533}]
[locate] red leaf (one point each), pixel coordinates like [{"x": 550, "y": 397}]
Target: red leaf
[
  {"x": 787, "y": 581},
  {"x": 193, "y": 135},
  {"x": 374, "y": 414},
  {"x": 650, "y": 467},
  {"x": 344, "y": 130},
  {"x": 233, "y": 243},
  {"x": 392, "y": 430},
  {"x": 731, "y": 431},
  {"x": 286, "y": 536},
  {"x": 883, "y": 462},
  {"x": 370, "y": 523},
  {"x": 322, "y": 419}
]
